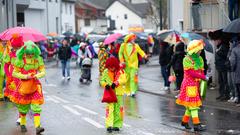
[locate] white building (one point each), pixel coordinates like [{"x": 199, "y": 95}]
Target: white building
[
  {"x": 68, "y": 16},
  {"x": 176, "y": 14},
  {"x": 126, "y": 15}
]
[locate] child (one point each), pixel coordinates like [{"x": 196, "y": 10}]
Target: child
[
  {"x": 29, "y": 67},
  {"x": 113, "y": 77},
  {"x": 189, "y": 94}
]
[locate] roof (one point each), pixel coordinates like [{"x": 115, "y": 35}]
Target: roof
[
  {"x": 140, "y": 9},
  {"x": 71, "y": 1},
  {"x": 82, "y": 3}
]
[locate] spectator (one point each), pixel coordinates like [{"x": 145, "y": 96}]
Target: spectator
[
  {"x": 196, "y": 16},
  {"x": 233, "y": 9},
  {"x": 83, "y": 52},
  {"x": 177, "y": 63},
  {"x": 234, "y": 59},
  {"x": 166, "y": 52},
  {"x": 64, "y": 55}
]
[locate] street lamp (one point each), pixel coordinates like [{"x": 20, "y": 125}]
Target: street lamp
[{"x": 160, "y": 14}]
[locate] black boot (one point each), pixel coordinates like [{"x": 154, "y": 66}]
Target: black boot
[
  {"x": 23, "y": 129},
  {"x": 199, "y": 128},
  {"x": 39, "y": 130},
  {"x": 116, "y": 129},
  {"x": 109, "y": 129},
  {"x": 186, "y": 125}
]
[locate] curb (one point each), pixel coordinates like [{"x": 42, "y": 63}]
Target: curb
[{"x": 217, "y": 105}]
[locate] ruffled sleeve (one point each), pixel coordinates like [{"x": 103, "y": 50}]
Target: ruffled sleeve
[{"x": 188, "y": 63}]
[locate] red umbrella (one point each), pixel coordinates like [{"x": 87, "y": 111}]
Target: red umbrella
[
  {"x": 112, "y": 38},
  {"x": 26, "y": 32}
]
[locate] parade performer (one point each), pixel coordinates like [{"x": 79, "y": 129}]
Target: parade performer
[
  {"x": 1, "y": 71},
  {"x": 114, "y": 78},
  {"x": 189, "y": 93},
  {"x": 9, "y": 59},
  {"x": 102, "y": 57},
  {"x": 29, "y": 67},
  {"x": 128, "y": 56}
]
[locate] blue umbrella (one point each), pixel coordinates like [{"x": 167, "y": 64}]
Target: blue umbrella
[{"x": 193, "y": 36}]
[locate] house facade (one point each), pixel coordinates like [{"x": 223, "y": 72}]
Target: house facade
[
  {"x": 176, "y": 14},
  {"x": 68, "y": 16},
  {"x": 124, "y": 15},
  {"x": 90, "y": 17}
]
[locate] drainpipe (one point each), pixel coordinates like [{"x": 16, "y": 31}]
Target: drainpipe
[
  {"x": 160, "y": 14},
  {"x": 47, "y": 16}
]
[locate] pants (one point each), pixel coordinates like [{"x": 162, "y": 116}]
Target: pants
[
  {"x": 23, "y": 110},
  {"x": 191, "y": 112},
  {"x": 65, "y": 66},
  {"x": 114, "y": 113},
  {"x": 231, "y": 84},
  {"x": 179, "y": 78},
  {"x": 1, "y": 86},
  {"x": 132, "y": 83},
  {"x": 222, "y": 81},
  {"x": 196, "y": 16},
  {"x": 165, "y": 74},
  {"x": 238, "y": 91},
  {"x": 233, "y": 9}
]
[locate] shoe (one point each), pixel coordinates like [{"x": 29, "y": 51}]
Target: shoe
[
  {"x": 177, "y": 96},
  {"x": 238, "y": 105},
  {"x": 63, "y": 78},
  {"x": 218, "y": 98},
  {"x": 39, "y": 130},
  {"x": 224, "y": 98},
  {"x": 1, "y": 99},
  {"x": 109, "y": 129},
  {"x": 199, "y": 128},
  {"x": 23, "y": 129},
  {"x": 166, "y": 88},
  {"x": 231, "y": 100},
  {"x": 18, "y": 121},
  {"x": 186, "y": 125},
  {"x": 68, "y": 78},
  {"x": 81, "y": 80},
  {"x": 115, "y": 129},
  {"x": 235, "y": 100}
]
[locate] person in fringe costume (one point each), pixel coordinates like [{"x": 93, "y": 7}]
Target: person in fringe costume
[
  {"x": 29, "y": 67},
  {"x": 189, "y": 93},
  {"x": 9, "y": 59},
  {"x": 128, "y": 56},
  {"x": 112, "y": 77},
  {"x": 102, "y": 56},
  {"x": 2, "y": 74}
]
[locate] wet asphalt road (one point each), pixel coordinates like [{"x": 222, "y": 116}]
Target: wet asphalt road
[{"x": 72, "y": 108}]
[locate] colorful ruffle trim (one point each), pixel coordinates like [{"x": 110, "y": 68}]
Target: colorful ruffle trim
[{"x": 189, "y": 104}]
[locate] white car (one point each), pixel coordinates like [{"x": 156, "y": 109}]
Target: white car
[{"x": 96, "y": 39}]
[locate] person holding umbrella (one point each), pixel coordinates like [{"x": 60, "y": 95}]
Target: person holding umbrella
[
  {"x": 128, "y": 56},
  {"x": 189, "y": 94}
]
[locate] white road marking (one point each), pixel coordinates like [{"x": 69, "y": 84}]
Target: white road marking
[
  {"x": 60, "y": 99},
  {"x": 51, "y": 85},
  {"x": 124, "y": 124},
  {"x": 94, "y": 123},
  {"x": 71, "y": 110},
  {"x": 51, "y": 99},
  {"x": 145, "y": 133},
  {"x": 85, "y": 109}
]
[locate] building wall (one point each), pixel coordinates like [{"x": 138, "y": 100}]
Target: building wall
[
  {"x": 3, "y": 17},
  {"x": 98, "y": 25},
  {"x": 68, "y": 19},
  {"x": 176, "y": 14},
  {"x": 117, "y": 11},
  {"x": 34, "y": 19}
]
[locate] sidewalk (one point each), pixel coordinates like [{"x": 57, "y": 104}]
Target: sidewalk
[{"x": 150, "y": 81}]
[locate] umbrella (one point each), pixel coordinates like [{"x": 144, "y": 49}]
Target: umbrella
[
  {"x": 165, "y": 33},
  {"x": 26, "y": 32},
  {"x": 172, "y": 38},
  {"x": 233, "y": 27},
  {"x": 52, "y": 34},
  {"x": 112, "y": 38},
  {"x": 187, "y": 37},
  {"x": 68, "y": 34}
]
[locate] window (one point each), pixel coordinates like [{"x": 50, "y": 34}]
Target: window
[
  {"x": 125, "y": 16},
  {"x": 70, "y": 9},
  {"x": 56, "y": 1},
  {"x": 87, "y": 22}
]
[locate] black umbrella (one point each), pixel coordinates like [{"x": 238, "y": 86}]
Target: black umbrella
[
  {"x": 233, "y": 27},
  {"x": 68, "y": 34}
]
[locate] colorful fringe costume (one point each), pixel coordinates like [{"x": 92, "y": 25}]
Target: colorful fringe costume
[
  {"x": 114, "y": 111},
  {"x": 128, "y": 54},
  {"x": 29, "y": 67},
  {"x": 189, "y": 94},
  {"x": 102, "y": 57},
  {"x": 1, "y": 71},
  {"x": 9, "y": 60}
]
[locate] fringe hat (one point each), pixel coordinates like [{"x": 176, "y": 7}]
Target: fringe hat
[
  {"x": 195, "y": 46},
  {"x": 29, "y": 48},
  {"x": 16, "y": 41},
  {"x": 129, "y": 38}
]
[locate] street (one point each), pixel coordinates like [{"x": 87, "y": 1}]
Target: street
[{"x": 72, "y": 108}]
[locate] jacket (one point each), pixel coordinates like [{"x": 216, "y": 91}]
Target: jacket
[
  {"x": 235, "y": 63},
  {"x": 165, "y": 55},
  {"x": 221, "y": 57},
  {"x": 64, "y": 53},
  {"x": 177, "y": 58}
]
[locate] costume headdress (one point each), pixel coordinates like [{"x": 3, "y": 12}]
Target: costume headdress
[
  {"x": 129, "y": 38},
  {"x": 16, "y": 40},
  {"x": 112, "y": 62},
  {"x": 29, "y": 48},
  {"x": 195, "y": 46}
]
